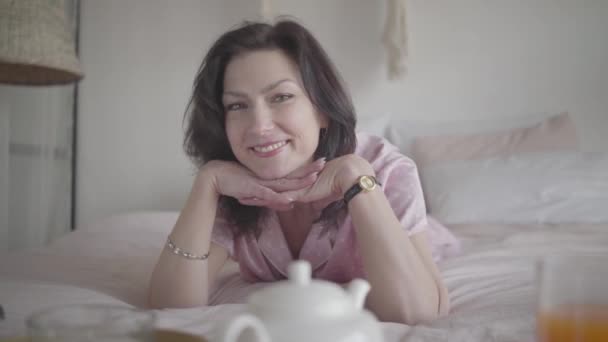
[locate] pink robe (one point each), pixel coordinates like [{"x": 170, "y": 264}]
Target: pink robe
[{"x": 335, "y": 256}]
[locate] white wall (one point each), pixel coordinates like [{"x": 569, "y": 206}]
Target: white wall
[{"x": 468, "y": 58}]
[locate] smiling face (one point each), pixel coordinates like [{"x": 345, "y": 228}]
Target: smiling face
[{"x": 271, "y": 124}]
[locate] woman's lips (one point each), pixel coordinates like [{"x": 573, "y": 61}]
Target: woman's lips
[{"x": 269, "y": 149}]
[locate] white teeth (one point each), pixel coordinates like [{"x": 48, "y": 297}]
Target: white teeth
[{"x": 270, "y": 148}]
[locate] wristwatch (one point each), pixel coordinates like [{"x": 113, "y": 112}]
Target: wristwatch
[{"x": 364, "y": 183}]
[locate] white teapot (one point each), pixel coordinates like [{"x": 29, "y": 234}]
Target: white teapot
[{"x": 300, "y": 309}]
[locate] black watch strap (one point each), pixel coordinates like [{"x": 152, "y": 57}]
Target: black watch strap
[
  {"x": 356, "y": 189},
  {"x": 352, "y": 192}
]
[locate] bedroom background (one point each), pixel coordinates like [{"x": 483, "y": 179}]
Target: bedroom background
[
  {"x": 486, "y": 80},
  {"x": 467, "y": 60}
]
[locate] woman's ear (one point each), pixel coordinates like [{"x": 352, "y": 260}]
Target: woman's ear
[
  {"x": 324, "y": 121},
  {"x": 322, "y": 133}
]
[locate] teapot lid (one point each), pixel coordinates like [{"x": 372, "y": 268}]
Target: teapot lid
[{"x": 302, "y": 296}]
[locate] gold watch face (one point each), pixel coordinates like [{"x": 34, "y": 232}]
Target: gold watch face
[{"x": 367, "y": 183}]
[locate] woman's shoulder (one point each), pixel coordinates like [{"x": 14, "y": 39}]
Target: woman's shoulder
[{"x": 380, "y": 153}]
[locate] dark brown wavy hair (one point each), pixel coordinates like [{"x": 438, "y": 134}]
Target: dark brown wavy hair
[{"x": 205, "y": 137}]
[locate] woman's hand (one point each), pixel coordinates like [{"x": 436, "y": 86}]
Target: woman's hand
[
  {"x": 234, "y": 180},
  {"x": 337, "y": 177}
]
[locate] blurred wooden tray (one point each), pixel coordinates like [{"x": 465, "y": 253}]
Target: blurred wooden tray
[{"x": 161, "y": 335}]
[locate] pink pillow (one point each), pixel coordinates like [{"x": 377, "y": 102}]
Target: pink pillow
[{"x": 555, "y": 133}]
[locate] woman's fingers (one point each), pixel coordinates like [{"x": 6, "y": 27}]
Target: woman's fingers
[
  {"x": 322, "y": 203},
  {"x": 314, "y": 167},
  {"x": 298, "y": 179},
  {"x": 313, "y": 194},
  {"x": 303, "y": 195},
  {"x": 279, "y": 194},
  {"x": 263, "y": 203},
  {"x": 286, "y": 184},
  {"x": 268, "y": 195},
  {"x": 253, "y": 201}
]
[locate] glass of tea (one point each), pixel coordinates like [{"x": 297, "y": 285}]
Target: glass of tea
[{"x": 573, "y": 298}]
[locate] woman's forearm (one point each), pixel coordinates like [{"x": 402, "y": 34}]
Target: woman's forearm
[
  {"x": 403, "y": 289},
  {"x": 178, "y": 281}
]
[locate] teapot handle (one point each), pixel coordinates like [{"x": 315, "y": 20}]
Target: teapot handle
[{"x": 242, "y": 322}]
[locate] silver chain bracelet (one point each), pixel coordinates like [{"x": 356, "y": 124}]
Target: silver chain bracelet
[{"x": 178, "y": 251}]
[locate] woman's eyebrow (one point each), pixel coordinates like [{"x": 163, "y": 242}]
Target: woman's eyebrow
[
  {"x": 264, "y": 90},
  {"x": 234, "y": 93},
  {"x": 275, "y": 84}
]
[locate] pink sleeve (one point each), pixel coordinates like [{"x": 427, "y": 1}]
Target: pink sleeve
[
  {"x": 401, "y": 184},
  {"x": 223, "y": 235}
]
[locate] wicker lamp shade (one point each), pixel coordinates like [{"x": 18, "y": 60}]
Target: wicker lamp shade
[{"x": 36, "y": 43}]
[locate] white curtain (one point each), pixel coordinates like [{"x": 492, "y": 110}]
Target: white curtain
[
  {"x": 4, "y": 176},
  {"x": 35, "y": 164},
  {"x": 36, "y": 125}
]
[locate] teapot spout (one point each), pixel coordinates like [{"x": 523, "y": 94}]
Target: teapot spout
[{"x": 358, "y": 290}]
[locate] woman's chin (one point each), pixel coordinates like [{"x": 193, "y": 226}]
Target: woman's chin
[
  {"x": 275, "y": 170},
  {"x": 270, "y": 174}
]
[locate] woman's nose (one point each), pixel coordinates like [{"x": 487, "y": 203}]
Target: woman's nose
[{"x": 262, "y": 121}]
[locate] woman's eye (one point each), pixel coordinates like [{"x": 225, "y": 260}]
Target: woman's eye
[
  {"x": 281, "y": 97},
  {"x": 234, "y": 106}
]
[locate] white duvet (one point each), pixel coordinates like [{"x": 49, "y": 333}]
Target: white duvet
[{"x": 491, "y": 284}]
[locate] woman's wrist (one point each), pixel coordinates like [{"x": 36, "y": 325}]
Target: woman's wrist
[
  {"x": 206, "y": 178},
  {"x": 354, "y": 167}
]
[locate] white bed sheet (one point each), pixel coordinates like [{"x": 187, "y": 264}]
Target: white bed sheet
[{"x": 491, "y": 284}]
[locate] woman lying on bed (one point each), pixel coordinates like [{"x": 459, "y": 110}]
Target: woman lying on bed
[{"x": 272, "y": 129}]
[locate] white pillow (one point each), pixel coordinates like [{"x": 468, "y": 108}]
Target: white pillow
[
  {"x": 401, "y": 132},
  {"x": 113, "y": 256},
  {"x": 22, "y": 297},
  {"x": 554, "y": 187}
]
